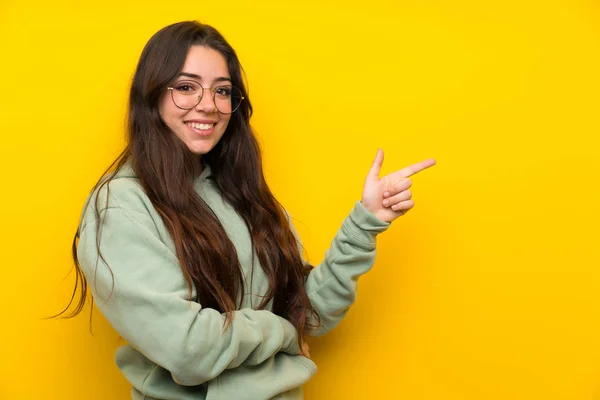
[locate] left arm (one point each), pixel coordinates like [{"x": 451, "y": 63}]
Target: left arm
[{"x": 332, "y": 285}]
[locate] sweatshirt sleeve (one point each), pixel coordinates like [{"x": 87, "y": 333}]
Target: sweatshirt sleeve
[
  {"x": 331, "y": 286},
  {"x": 139, "y": 287}
]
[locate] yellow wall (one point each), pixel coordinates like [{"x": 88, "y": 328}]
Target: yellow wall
[{"x": 489, "y": 289}]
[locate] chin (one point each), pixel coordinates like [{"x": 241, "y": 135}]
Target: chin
[
  {"x": 199, "y": 152},
  {"x": 199, "y": 149}
]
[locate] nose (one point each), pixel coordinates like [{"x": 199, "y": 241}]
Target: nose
[{"x": 206, "y": 104}]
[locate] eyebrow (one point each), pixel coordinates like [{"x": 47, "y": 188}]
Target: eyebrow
[{"x": 219, "y": 79}]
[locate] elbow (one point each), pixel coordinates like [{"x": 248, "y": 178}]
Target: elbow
[
  {"x": 187, "y": 380},
  {"x": 185, "y": 375},
  {"x": 195, "y": 366},
  {"x": 131, "y": 362},
  {"x": 191, "y": 367},
  {"x": 320, "y": 331},
  {"x": 328, "y": 322}
]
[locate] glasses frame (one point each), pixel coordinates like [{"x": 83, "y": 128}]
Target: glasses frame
[{"x": 201, "y": 96}]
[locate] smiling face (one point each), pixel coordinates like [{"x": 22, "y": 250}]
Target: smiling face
[{"x": 201, "y": 127}]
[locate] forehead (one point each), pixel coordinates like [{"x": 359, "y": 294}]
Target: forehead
[{"x": 205, "y": 62}]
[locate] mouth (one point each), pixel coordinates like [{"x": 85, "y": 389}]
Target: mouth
[{"x": 201, "y": 128}]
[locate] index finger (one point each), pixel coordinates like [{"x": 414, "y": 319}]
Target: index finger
[{"x": 418, "y": 167}]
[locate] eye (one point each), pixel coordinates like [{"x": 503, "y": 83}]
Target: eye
[
  {"x": 224, "y": 91},
  {"x": 186, "y": 87}
]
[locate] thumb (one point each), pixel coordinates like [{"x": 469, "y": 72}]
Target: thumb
[{"x": 376, "y": 167}]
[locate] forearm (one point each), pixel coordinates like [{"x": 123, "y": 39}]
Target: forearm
[{"x": 332, "y": 285}]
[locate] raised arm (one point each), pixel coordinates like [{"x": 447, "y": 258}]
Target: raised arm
[{"x": 331, "y": 285}]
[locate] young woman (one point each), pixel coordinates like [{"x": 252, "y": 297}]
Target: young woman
[{"x": 188, "y": 254}]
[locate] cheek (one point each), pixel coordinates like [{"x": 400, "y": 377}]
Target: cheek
[
  {"x": 167, "y": 110},
  {"x": 161, "y": 108},
  {"x": 225, "y": 120}
]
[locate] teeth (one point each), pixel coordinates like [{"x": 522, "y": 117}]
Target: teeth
[{"x": 203, "y": 127}]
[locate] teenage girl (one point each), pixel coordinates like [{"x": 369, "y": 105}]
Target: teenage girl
[{"x": 188, "y": 254}]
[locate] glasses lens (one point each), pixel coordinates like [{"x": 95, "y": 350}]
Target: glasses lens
[
  {"x": 227, "y": 98},
  {"x": 186, "y": 94}
]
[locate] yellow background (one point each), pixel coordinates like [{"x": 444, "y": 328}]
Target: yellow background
[{"x": 488, "y": 289}]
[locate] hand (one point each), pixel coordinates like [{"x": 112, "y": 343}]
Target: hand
[
  {"x": 304, "y": 349},
  {"x": 389, "y": 198}
]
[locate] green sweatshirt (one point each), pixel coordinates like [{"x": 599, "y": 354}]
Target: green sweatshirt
[{"x": 176, "y": 348}]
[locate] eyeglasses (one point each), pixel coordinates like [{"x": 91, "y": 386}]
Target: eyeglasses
[{"x": 188, "y": 94}]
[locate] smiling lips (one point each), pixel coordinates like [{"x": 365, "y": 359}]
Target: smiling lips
[
  {"x": 200, "y": 126},
  {"x": 203, "y": 128}
]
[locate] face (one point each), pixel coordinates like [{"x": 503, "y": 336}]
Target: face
[{"x": 202, "y": 127}]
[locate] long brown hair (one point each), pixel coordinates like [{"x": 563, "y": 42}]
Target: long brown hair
[{"x": 167, "y": 169}]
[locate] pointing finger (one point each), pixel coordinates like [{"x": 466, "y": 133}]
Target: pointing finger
[{"x": 418, "y": 167}]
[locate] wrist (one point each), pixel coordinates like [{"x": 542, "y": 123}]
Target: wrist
[{"x": 381, "y": 215}]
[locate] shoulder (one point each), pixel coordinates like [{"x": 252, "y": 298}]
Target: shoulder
[
  {"x": 121, "y": 189},
  {"x": 118, "y": 190},
  {"x": 122, "y": 192}
]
